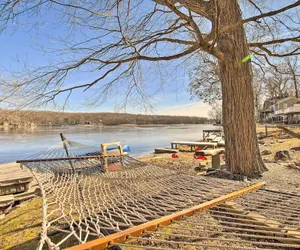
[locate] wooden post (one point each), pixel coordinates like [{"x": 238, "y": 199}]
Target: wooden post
[
  {"x": 266, "y": 129},
  {"x": 277, "y": 135},
  {"x": 215, "y": 161},
  {"x": 104, "y": 153}
]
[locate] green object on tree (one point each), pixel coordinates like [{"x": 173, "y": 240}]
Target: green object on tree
[{"x": 247, "y": 58}]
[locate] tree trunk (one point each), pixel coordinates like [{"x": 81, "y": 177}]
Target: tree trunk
[{"x": 242, "y": 151}]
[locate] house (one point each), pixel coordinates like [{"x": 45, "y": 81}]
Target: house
[
  {"x": 283, "y": 105},
  {"x": 285, "y": 109},
  {"x": 267, "y": 112}
]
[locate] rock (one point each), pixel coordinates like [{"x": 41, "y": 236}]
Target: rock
[
  {"x": 266, "y": 152},
  {"x": 224, "y": 174},
  {"x": 262, "y": 142},
  {"x": 198, "y": 169},
  {"x": 296, "y": 149},
  {"x": 282, "y": 155},
  {"x": 261, "y": 135},
  {"x": 239, "y": 177}
]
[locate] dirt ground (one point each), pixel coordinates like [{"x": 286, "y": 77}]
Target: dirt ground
[
  {"x": 278, "y": 176},
  {"x": 19, "y": 229}
]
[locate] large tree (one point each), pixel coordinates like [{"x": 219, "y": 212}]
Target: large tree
[{"x": 121, "y": 39}]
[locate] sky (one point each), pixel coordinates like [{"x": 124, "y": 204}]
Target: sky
[{"x": 20, "y": 43}]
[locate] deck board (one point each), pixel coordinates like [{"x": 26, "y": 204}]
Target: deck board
[
  {"x": 13, "y": 173},
  {"x": 194, "y": 143}
]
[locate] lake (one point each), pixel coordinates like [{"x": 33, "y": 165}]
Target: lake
[{"x": 16, "y": 145}]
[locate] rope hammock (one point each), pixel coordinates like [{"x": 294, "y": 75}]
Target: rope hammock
[
  {"x": 82, "y": 202},
  {"x": 265, "y": 219}
]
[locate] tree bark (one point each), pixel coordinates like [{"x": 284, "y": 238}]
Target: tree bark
[{"x": 242, "y": 150}]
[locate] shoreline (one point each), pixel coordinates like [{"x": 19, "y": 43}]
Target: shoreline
[{"x": 12, "y": 127}]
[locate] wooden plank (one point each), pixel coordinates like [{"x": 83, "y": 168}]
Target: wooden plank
[
  {"x": 31, "y": 193},
  {"x": 264, "y": 221},
  {"x": 6, "y": 200},
  {"x": 13, "y": 178},
  {"x": 288, "y": 131},
  {"x": 13, "y": 171},
  {"x": 194, "y": 143},
  {"x": 120, "y": 237},
  {"x": 211, "y": 152},
  {"x": 166, "y": 151}
]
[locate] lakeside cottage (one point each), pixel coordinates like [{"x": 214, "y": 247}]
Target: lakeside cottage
[{"x": 285, "y": 109}]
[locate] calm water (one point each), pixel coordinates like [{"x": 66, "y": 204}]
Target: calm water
[{"x": 16, "y": 145}]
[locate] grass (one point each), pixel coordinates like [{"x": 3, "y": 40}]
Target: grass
[{"x": 20, "y": 228}]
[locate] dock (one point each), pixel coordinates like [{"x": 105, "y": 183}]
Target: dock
[
  {"x": 15, "y": 186},
  {"x": 193, "y": 144}
]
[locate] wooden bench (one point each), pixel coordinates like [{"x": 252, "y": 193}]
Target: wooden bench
[{"x": 215, "y": 156}]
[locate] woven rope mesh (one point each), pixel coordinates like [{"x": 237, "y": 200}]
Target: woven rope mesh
[
  {"x": 59, "y": 151},
  {"x": 264, "y": 219},
  {"x": 81, "y": 201},
  {"x": 89, "y": 203}
]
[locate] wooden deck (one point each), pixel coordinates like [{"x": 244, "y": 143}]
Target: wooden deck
[
  {"x": 14, "y": 179},
  {"x": 15, "y": 186}
]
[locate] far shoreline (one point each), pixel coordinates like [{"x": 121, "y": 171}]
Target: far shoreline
[{"x": 12, "y": 127}]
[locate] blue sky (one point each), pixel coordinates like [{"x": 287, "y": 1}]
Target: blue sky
[
  {"x": 24, "y": 46},
  {"x": 23, "y": 43},
  {"x": 20, "y": 43}
]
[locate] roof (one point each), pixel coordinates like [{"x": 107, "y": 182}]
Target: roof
[
  {"x": 287, "y": 99},
  {"x": 267, "y": 111}
]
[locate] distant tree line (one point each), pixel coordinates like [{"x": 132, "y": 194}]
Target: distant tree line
[{"x": 45, "y": 118}]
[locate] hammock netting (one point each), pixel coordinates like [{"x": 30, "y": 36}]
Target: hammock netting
[
  {"x": 81, "y": 201},
  {"x": 74, "y": 149},
  {"x": 264, "y": 219}
]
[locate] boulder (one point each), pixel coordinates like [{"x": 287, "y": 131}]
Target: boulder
[
  {"x": 282, "y": 155},
  {"x": 261, "y": 135}
]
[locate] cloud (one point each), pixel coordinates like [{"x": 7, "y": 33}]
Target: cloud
[{"x": 192, "y": 109}]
